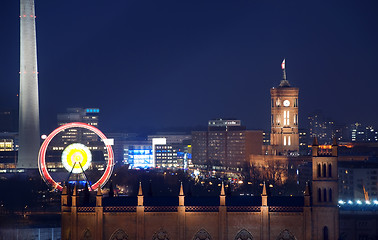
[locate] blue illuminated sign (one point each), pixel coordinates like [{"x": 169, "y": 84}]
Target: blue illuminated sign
[
  {"x": 92, "y": 110},
  {"x": 140, "y": 158}
]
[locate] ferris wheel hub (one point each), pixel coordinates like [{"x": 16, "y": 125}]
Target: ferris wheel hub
[{"x": 76, "y": 157}]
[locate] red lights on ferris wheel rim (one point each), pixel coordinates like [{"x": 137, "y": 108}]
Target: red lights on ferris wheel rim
[{"x": 42, "y": 155}]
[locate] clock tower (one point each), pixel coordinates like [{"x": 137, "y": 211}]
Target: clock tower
[{"x": 284, "y": 137}]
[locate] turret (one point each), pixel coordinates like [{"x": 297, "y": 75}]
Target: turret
[
  {"x": 74, "y": 197},
  {"x": 315, "y": 147},
  {"x": 181, "y": 196},
  {"x": 307, "y": 196},
  {"x": 334, "y": 147},
  {"x": 264, "y": 196},
  {"x": 99, "y": 197},
  {"x": 65, "y": 196},
  {"x": 222, "y": 196},
  {"x": 140, "y": 195}
]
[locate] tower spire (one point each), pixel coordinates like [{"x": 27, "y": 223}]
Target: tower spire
[
  {"x": 181, "y": 190},
  {"x": 284, "y": 82},
  {"x": 140, "y": 192},
  {"x": 181, "y": 196},
  {"x": 222, "y": 190},
  {"x": 264, "y": 190},
  {"x": 29, "y": 139}
]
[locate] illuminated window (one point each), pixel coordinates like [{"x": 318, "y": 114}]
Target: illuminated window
[
  {"x": 286, "y": 118},
  {"x": 289, "y": 141},
  {"x": 284, "y": 140}
]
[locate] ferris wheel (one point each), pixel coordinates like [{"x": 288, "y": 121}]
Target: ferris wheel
[{"x": 71, "y": 160}]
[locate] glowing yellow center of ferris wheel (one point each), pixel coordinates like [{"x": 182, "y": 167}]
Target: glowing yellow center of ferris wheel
[{"x": 76, "y": 158}]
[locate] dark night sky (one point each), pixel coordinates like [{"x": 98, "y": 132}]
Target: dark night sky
[{"x": 179, "y": 63}]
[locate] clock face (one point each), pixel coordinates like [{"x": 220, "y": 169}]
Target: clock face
[{"x": 286, "y": 103}]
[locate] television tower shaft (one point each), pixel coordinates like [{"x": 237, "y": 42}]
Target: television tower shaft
[{"x": 29, "y": 135}]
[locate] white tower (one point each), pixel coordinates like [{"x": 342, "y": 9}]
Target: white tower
[{"x": 29, "y": 140}]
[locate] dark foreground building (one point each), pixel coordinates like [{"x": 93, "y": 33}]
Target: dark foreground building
[{"x": 313, "y": 216}]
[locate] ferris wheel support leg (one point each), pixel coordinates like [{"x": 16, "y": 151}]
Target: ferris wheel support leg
[
  {"x": 69, "y": 175},
  {"x": 86, "y": 178}
]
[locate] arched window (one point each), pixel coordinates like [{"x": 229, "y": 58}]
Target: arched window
[
  {"x": 330, "y": 195},
  {"x": 324, "y": 170},
  {"x": 319, "y": 170},
  {"x": 329, "y": 170},
  {"x": 202, "y": 235},
  {"x": 160, "y": 235},
  {"x": 119, "y": 235},
  {"x": 319, "y": 195},
  {"x": 244, "y": 235},
  {"x": 325, "y": 195},
  {"x": 286, "y": 235},
  {"x": 325, "y": 233},
  {"x": 86, "y": 235}
]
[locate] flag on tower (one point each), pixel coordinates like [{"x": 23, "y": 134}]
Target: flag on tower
[{"x": 283, "y": 64}]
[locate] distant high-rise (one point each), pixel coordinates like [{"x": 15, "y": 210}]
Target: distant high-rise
[
  {"x": 29, "y": 139},
  {"x": 89, "y": 116},
  {"x": 225, "y": 146}
]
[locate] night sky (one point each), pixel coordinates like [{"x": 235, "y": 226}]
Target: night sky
[{"x": 178, "y": 63}]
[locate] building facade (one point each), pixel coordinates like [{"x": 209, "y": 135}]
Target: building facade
[
  {"x": 206, "y": 218},
  {"x": 89, "y": 116},
  {"x": 225, "y": 146},
  {"x": 358, "y": 180}
]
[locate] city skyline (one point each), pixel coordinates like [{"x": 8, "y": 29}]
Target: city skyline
[{"x": 181, "y": 64}]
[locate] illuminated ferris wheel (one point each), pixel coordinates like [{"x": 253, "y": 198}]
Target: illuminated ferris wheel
[{"x": 76, "y": 152}]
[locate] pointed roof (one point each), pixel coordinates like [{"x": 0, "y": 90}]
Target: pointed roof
[
  {"x": 315, "y": 142},
  {"x": 75, "y": 191},
  {"x": 140, "y": 192},
  {"x": 264, "y": 191},
  {"x": 99, "y": 192},
  {"x": 222, "y": 190},
  {"x": 65, "y": 190},
  {"x": 284, "y": 83},
  {"x": 307, "y": 190},
  {"x": 334, "y": 142},
  {"x": 181, "y": 190}
]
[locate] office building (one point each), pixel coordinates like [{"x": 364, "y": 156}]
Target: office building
[
  {"x": 173, "y": 156},
  {"x": 89, "y": 116},
  {"x": 225, "y": 146}
]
